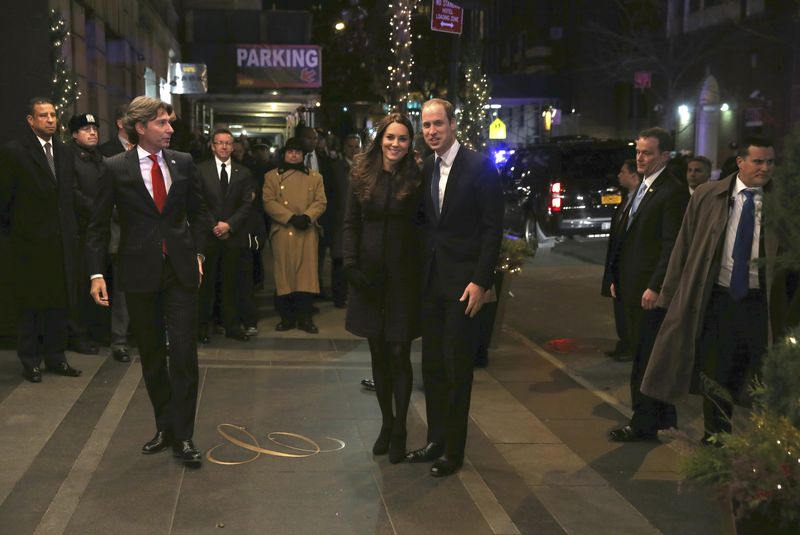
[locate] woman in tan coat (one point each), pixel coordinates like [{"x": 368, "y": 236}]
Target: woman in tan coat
[{"x": 294, "y": 198}]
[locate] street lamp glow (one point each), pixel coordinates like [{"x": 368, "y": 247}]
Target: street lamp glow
[
  {"x": 339, "y": 26},
  {"x": 724, "y": 107},
  {"x": 683, "y": 112}
]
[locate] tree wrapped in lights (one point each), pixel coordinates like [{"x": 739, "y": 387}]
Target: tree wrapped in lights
[
  {"x": 65, "y": 83},
  {"x": 399, "y": 86},
  {"x": 473, "y": 122}
]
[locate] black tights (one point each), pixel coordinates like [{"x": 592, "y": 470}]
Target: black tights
[{"x": 391, "y": 371}]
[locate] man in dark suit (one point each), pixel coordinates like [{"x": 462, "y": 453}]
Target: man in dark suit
[
  {"x": 629, "y": 181},
  {"x": 649, "y": 225},
  {"x": 163, "y": 222},
  {"x": 316, "y": 161},
  {"x": 341, "y": 172},
  {"x": 119, "y": 308},
  {"x": 120, "y": 142},
  {"x": 463, "y": 220},
  {"x": 37, "y": 214},
  {"x": 227, "y": 189}
]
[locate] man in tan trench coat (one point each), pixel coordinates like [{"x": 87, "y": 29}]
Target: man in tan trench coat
[
  {"x": 294, "y": 198},
  {"x": 712, "y": 330}
]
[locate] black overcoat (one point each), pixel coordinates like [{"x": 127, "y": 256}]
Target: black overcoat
[
  {"x": 37, "y": 213},
  {"x": 394, "y": 310}
]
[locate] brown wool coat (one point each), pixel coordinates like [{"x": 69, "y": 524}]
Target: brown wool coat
[
  {"x": 691, "y": 274},
  {"x": 295, "y": 251}
]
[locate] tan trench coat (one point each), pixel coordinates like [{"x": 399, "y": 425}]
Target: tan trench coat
[
  {"x": 295, "y": 251},
  {"x": 691, "y": 274}
]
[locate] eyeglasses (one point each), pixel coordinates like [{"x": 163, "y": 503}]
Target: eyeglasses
[{"x": 223, "y": 143}]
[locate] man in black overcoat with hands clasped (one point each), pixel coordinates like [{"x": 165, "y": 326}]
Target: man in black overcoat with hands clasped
[
  {"x": 463, "y": 220},
  {"x": 163, "y": 221},
  {"x": 38, "y": 215}
]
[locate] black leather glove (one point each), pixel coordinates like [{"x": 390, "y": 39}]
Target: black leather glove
[
  {"x": 356, "y": 278},
  {"x": 300, "y": 222}
]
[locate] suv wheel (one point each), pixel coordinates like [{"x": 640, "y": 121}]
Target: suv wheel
[{"x": 531, "y": 232}]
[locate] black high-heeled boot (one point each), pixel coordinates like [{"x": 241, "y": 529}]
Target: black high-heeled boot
[
  {"x": 397, "y": 448},
  {"x": 381, "y": 446}
]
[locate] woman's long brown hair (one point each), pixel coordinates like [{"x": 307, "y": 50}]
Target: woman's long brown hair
[{"x": 369, "y": 165}]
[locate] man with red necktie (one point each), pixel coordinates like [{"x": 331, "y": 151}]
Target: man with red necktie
[{"x": 163, "y": 220}]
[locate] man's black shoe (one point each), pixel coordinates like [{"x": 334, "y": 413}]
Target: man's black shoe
[
  {"x": 161, "y": 441},
  {"x": 121, "y": 355},
  {"x": 369, "y": 384},
  {"x": 340, "y": 305},
  {"x": 63, "y": 368},
  {"x": 308, "y": 326},
  {"x": 83, "y": 346},
  {"x": 446, "y": 466},
  {"x": 202, "y": 335},
  {"x": 186, "y": 452},
  {"x": 431, "y": 452},
  {"x": 33, "y": 374},
  {"x": 237, "y": 335},
  {"x": 629, "y": 434},
  {"x": 284, "y": 326}
]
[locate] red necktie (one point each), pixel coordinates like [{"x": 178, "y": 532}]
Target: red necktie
[{"x": 159, "y": 190}]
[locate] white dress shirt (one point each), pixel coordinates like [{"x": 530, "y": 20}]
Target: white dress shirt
[
  {"x": 146, "y": 165},
  {"x": 726, "y": 265},
  {"x": 444, "y": 169},
  {"x": 311, "y": 161},
  {"x": 227, "y": 168}
]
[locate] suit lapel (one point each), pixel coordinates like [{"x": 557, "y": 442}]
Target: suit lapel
[
  {"x": 452, "y": 180},
  {"x": 172, "y": 165},
  {"x": 135, "y": 171},
  {"x": 37, "y": 153},
  {"x": 651, "y": 192}
]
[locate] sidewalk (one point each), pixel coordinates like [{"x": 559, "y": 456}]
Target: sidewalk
[{"x": 538, "y": 460}]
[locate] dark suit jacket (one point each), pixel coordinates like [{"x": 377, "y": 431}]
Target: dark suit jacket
[
  {"x": 37, "y": 215},
  {"x": 234, "y": 208},
  {"x": 463, "y": 244},
  {"x": 112, "y": 147},
  {"x": 182, "y": 225},
  {"x": 613, "y": 244},
  {"x": 644, "y": 249}
]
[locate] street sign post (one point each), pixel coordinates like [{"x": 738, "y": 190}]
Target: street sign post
[{"x": 446, "y": 17}]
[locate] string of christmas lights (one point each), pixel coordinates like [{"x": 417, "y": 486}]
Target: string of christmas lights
[
  {"x": 400, "y": 37},
  {"x": 65, "y": 83},
  {"x": 473, "y": 119}
]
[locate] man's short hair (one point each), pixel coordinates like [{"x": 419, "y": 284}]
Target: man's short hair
[
  {"x": 630, "y": 165},
  {"x": 141, "y": 110},
  {"x": 219, "y": 131},
  {"x": 352, "y": 136},
  {"x": 120, "y": 111},
  {"x": 664, "y": 138},
  {"x": 744, "y": 147},
  {"x": 703, "y": 160},
  {"x": 36, "y": 101},
  {"x": 449, "y": 110}
]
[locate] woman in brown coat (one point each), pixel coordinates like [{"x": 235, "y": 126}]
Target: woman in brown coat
[
  {"x": 294, "y": 198},
  {"x": 381, "y": 263}
]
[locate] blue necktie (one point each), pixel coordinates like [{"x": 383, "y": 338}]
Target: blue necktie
[
  {"x": 636, "y": 200},
  {"x": 743, "y": 247},
  {"x": 437, "y": 174}
]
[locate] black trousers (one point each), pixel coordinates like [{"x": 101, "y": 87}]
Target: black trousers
[
  {"x": 449, "y": 344},
  {"x": 649, "y": 414},
  {"x": 294, "y": 307},
  {"x": 42, "y": 335},
  {"x": 171, "y": 383},
  {"x": 623, "y": 342},
  {"x": 338, "y": 281},
  {"x": 229, "y": 263},
  {"x": 246, "y": 300},
  {"x": 733, "y": 340}
]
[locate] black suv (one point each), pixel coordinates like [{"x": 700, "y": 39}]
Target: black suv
[{"x": 563, "y": 188}]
